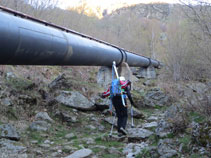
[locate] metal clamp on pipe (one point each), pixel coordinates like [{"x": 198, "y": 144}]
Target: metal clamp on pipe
[
  {"x": 150, "y": 62},
  {"x": 123, "y": 54}
]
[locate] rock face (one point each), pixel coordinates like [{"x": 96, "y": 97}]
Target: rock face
[
  {"x": 151, "y": 11},
  {"x": 104, "y": 77},
  {"x": 150, "y": 125},
  {"x": 11, "y": 149},
  {"x": 83, "y": 153},
  {"x": 151, "y": 98},
  {"x": 163, "y": 128},
  {"x": 75, "y": 100},
  {"x": 166, "y": 148},
  {"x": 148, "y": 73},
  {"x": 133, "y": 149},
  {"x": 156, "y": 97},
  {"x": 9, "y": 132}
]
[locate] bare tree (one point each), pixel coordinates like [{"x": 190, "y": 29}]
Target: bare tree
[
  {"x": 199, "y": 11},
  {"x": 199, "y": 14}
]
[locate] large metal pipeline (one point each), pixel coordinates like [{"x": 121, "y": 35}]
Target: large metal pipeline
[{"x": 25, "y": 40}]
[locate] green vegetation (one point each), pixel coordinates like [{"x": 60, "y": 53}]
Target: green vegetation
[
  {"x": 76, "y": 143},
  {"x": 195, "y": 116},
  {"x": 96, "y": 150},
  {"x": 144, "y": 154},
  {"x": 12, "y": 113},
  {"x": 186, "y": 141},
  {"x": 18, "y": 83},
  {"x": 196, "y": 156},
  {"x": 154, "y": 140},
  {"x": 34, "y": 135},
  {"x": 100, "y": 141},
  {"x": 110, "y": 155},
  {"x": 170, "y": 135}
]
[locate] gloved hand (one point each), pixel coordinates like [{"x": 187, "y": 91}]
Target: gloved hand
[
  {"x": 133, "y": 105},
  {"x": 101, "y": 95}
]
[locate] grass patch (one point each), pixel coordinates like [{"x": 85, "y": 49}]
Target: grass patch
[
  {"x": 18, "y": 83},
  {"x": 76, "y": 144},
  {"x": 154, "y": 140},
  {"x": 96, "y": 150},
  {"x": 65, "y": 108},
  {"x": 11, "y": 113},
  {"x": 186, "y": 140},
  {"x": 136, "y": 93},
  {"x": 197, "y": 117},
  {"x": 195, "y": 156},
  {"x": 100, "y": 141},
  {"x": 144, "y": 154},
  {"x": 110, "y": 155},
  {"x": 147, "y": 111},
  {"x": 58, "y": 134},
  {"x": 34, "y": 135},
  {"x": 170, "y": 135}
]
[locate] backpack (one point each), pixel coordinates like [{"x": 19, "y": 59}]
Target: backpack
[{"x": 115, "y": 89}]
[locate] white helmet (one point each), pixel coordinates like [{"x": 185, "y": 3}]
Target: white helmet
[{"x": 121, "y": 78}]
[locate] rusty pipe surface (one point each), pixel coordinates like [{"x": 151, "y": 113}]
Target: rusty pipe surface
[{"x": 25, "y": 40}]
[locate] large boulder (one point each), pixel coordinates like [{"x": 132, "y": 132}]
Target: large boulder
[
  {"x": 9, "y": 132},
  {"x": 39, "y": 126},
  {"x": 101, "y": 104},
  {"x": 43, "y": 116},
  {"x": 75, "y": 100},
  {"x": 137, "y": 134},
  {"x": 60, "y": 82},
  {"x": 65, "y": 117}
]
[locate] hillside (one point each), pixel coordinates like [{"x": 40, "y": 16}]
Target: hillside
[
  {"x": 55, "y": 114},
  {"x": 159, "y": 11}
]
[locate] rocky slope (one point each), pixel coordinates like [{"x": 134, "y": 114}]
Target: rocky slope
[
  {"x": 65, "y": 117},
  {"x": 158, "y": 11}
]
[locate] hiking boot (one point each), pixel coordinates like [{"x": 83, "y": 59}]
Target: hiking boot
[
  {"x": 120, "y": 134},
  {"x": 123, "y": 131}
]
